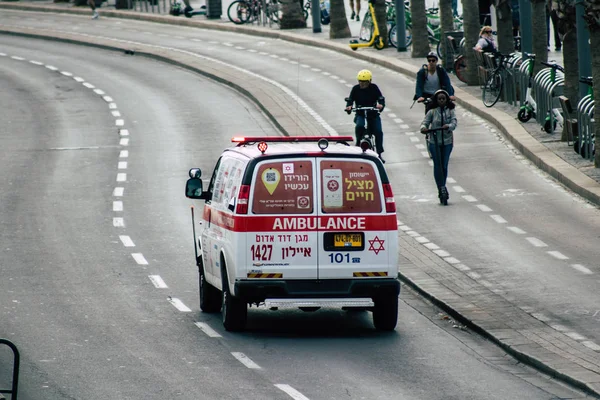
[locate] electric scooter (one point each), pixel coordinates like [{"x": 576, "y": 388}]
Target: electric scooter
[
  {"x": 554, "y": 116},
  {"x": 376, "y": 39},
  {"x": 440, "y": 158}
]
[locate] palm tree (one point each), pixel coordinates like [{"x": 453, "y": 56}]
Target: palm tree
[
  {"x": 565, "y": 10},
  {"x": 506, "y": 41},
  {"x": 338, "y": 27},
  {"x": 292, "y": 16},
  {"x": 420, "y": 43},
  {"x": 539, "y": 33},
  {"x": 446, "y": 25},
  {"x": 592, "y": 17},
  {"x": 471, "y": 29}
]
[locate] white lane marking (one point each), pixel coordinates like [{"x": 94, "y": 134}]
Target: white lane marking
[
  {"x": 484, "y": 208},
  {"x": 516, "y": 230},
  {"x": 86, "y": 84},
  {"x": 116, "y": 113},
  {"x": 441, "y": 253},
  {"x": 409, "y": 133},
  {"x": 398, "y": 120},
  {"x": 119, "y": 122},
  {"x": 126, "y": 240},
  {"x": 412, "y": 233},
  {"x": 108, "y": 99},
  {"x": 244, "y": 359},
  {"x": 158, "y": 282},
  {"x": 403, "y": 126},
  {"x": 414, "y": 139},
  {"x": 405, "y": 228},
  {"x": 591, "y": 345},
  {"x": 420, "y": 147},
  {"x": 118, "y": 191},
  {"x": 541, "y": 317},
  {"x": 450, "y": 180},
  {"x": 123, "y": 132},
  {"x": 391, "y": 114},
  {"x": 560, "y": 328},
  {"x": 17, "y": 58},
  {"x": 536, "y": 242},
  {"x": 66, "y": 73},
  {"x": 293, "y": 393},
  {"x": 78, "y": 79},
  {"x": 117, "y": 206},
  {"x": 124, "y": 142},
  {"x": 421, "y": 239},
  {"x": 122, "y": 165},
  {"x": 124, "y": 154},
  {"x": 458, "y": 189},
  {"x": 51, "y": 67},
  {"x": 36, "y": 62},
  {"x": 431, "y": 246},
  {"x": 425, "y": 154},
  {"x": 118, "y": 222},
  {"x": 139, "y": 258},
  {"x": 470, "y": 198},
  {"x": 99, "y": 91},
  {"x": 121, "y": 177},
  {"x": 178, "y": 304},
  {"x": 452, "y": 260},
  {"x": 462, "y": 267},
  {"x": 575, "y": 336},
  {"x": 112, "y": 106},
  {"x": 558, "y": 254},
  {"x": 581, "y": 268},
  {"x": 204, "y": 327},
  {"x": 473, "y": 275},
  {"x": 498, "y": 219},
  {"x": 2, "y": 54}
]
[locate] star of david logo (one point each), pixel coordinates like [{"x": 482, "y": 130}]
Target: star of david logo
[
  {"x": 332, "y": 185},
  {"x": 376, "y": 242}
]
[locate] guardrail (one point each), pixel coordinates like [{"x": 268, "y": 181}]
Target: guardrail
[
  {"x": 15, "y": 379},
  {"x": 584, "y": 145},
  {"x": 547, "y": 86}
]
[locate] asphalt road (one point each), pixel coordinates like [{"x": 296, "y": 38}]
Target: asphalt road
[{"x": 93, "y": 324}]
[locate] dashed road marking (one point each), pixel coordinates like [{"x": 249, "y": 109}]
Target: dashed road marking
[
  {"x": 204, "y": 327},
  {"x": 158, "y": 282},
  {"x": 536, "y": 242},
  {"x": 558, "y": 254},
  {"x": 244, "y": 359},
  {"x": 139, "y": 258},
  {"x": 293, "y": 393},
  {"x": 126, "y": 240},
  {"x": 178, "y": 304}
]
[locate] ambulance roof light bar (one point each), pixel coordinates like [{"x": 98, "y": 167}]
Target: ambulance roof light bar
[{"x": 242, "y": 140}]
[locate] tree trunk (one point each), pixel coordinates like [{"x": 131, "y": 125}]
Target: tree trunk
[
  {"x": 471, "y": 29},
  {"x": 380, "y": 14},
  {"x": 539, "y": 33},
  {"x": 571, "y": 64},
  {"x": 291, "y": 15},
  {"x": 506, "y": 40},
  {"x": 338, "y": 27},
  {"x": 420, "y": 43},
  {"x": 446, "y": 25}
]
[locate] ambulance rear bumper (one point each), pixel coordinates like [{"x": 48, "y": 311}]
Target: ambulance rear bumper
[{"x": 257, "y": 291}]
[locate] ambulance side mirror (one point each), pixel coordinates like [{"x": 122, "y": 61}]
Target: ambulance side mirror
[{"x": 193, "y": 189}]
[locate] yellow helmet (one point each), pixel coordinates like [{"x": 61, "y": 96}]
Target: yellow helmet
[{"x": 364, "y": 75}]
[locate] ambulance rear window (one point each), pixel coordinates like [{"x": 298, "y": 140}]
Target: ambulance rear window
[
  {"x": 349, "y": 186},
  {"x": 283, "y": 187}
]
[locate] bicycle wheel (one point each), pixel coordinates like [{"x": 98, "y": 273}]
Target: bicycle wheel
[
  {"x": 492, "y": 89},
  {"x": 366, "y": 29},
  {"x": 239, "y": 12},
  {"x": 394, "y": 38},
  {"x": 460, "y": 68}
]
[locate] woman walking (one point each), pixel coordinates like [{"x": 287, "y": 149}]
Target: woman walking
[{"x": 440, "y": 122}]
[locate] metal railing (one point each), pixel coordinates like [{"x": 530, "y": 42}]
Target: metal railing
[
  {"x": 16, "y": 362},
  {"x": 585, "y": 127},
  {"x": 546, "y": 90}
]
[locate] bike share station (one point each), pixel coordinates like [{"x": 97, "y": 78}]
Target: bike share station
[
  {"x": 15, "y": 376},
  {"x": 584, "y": 145}
]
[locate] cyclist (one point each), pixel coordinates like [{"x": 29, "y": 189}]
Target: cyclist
[
  {"x": 367, "y": 94},
  {"x": 440, "y": 143},
  {"x": 431, "y": 78}
]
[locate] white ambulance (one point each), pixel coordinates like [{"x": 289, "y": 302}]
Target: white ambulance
[{"x": 303, "y": 222}]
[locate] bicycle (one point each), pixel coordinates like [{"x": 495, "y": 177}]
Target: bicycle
[
  {"x": 247, "y": 11},
  {"x": 375, "y": 38},
  {"x": 493, "y": 86},
  {"x": 368, "y": 141}
]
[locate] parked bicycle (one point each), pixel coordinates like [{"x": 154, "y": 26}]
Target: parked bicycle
[
  {"x": 492, "y": 90},
  {"x": 248, "y": 11}
]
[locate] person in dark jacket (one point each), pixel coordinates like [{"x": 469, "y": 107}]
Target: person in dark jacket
[
  {"x": 367, "y": 94},
  {"x": 431, "y": 78}
]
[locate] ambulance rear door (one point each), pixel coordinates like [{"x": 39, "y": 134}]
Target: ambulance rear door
[
  {"x": 357, "y": 234},
  {"x": 281, "y": 226}
]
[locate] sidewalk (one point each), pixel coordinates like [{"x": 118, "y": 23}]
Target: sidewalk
[{"x": 522, "y": 333}]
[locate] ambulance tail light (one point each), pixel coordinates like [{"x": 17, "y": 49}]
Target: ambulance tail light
[
  {"x": 390, "y": 202},
  {"x": 242, "y": 201}
]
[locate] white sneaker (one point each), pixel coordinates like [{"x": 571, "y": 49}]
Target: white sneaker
[{"x": 95, "y": 15}]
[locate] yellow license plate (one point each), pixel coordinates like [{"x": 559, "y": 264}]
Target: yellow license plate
[{"x": 347, "y": 240}]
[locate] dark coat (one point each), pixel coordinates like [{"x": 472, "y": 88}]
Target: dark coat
[{"x": 442, "y": 75}]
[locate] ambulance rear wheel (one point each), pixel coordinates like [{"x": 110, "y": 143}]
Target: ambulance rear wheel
[
  {"x": 385, "y": 313},
  {"x": 235, "y": 311},
  {"x": 210, "y": 296}
]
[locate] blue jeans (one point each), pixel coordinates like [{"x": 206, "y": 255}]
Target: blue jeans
[
  {"x": 439, "y": 175},
  {"x": 374, "y": 126}
]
